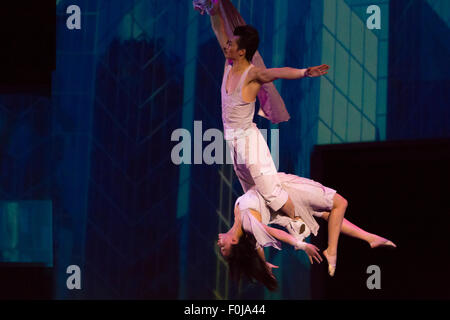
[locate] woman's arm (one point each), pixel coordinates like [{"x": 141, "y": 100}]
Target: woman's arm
[
  {"x": 311, "y": 250},
  {"x": 281, "y": 235}
]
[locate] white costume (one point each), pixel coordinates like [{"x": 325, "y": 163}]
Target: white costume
[
  {"x": 253, "y": 163},
  {"x": 310, "y": 198},
  {"x": 252, "y": 160}
]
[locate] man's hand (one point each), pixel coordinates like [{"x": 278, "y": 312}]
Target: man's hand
[
  {"x": 202, "y": 12},
  {"x": 317, "y": 71},
  {"x": 209, "y": 6},
  {"x": 313, "y": 252}
]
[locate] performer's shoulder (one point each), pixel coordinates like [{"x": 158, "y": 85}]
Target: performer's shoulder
[
  {"x": 253, "y": 72},
  {"x": 254, "y": 69}
]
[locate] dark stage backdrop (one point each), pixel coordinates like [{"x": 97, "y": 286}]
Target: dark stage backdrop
[{"x": 398, "y": 190}]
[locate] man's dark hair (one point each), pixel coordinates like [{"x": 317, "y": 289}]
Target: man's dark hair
[{"x": 248, "y": 40}]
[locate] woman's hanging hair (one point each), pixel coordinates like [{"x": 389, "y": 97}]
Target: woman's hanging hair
[{"x": 244, "y": 261}]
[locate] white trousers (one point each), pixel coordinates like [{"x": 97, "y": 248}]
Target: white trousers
[{"x": 254, "y": 166}]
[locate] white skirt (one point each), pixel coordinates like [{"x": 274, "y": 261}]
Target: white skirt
[{"x": 310, "y": 198}]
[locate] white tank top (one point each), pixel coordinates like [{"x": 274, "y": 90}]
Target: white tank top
[{"x": 237, "y": 114}]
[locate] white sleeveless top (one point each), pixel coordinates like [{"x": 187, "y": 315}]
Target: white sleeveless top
[
  {"x": 237, "y": 114},
  {"x": 250, "y": 200}
]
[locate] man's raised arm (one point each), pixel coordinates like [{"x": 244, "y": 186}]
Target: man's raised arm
[
  {"x": 218, "y": 27},
  {"x": 217, "y": 22}
]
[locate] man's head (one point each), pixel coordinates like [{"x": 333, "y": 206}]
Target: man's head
[{"x": 243, "y": 44}]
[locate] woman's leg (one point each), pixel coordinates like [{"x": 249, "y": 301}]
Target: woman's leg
[
  {"x": 335, "y": 223},
  {"x": 334, "y": 228},
  {"x": 354, "y": 231}
]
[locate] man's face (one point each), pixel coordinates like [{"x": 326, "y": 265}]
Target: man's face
[{"x": 231, "y": 49}]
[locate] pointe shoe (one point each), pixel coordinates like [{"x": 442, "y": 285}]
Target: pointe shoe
[{"x": 331, "y": 263}]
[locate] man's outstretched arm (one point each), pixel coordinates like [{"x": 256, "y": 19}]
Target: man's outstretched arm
[{"x": 268, "y": 75}]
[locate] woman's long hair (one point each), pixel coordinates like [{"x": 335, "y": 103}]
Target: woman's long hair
[{"x": 244, "y": 261}]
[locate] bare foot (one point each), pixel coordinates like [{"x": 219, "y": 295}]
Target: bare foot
[
  {"x": 378, "y": 241},
  {"x": 331, "y": 262}
]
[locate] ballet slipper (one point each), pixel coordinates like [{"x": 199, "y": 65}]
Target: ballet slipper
[
  {"x": 382, "y": 242},
  {"x": 331, "y": 263}
]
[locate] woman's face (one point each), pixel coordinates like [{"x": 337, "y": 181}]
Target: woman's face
[{"x": 225, "y": 241}]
